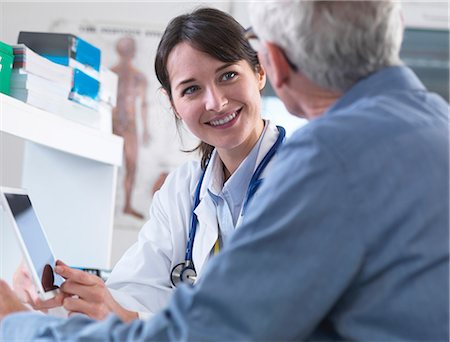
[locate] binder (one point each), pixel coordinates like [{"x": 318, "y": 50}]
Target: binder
[
  {"x": 28, "y": 61},
  {"x": 85, "y": 89},
  {"x": 24, "y": 80},
  {"x": 63, "y": 48},
  {"x": 85, "y": 85},
  {"x": 59, "y": 106}
]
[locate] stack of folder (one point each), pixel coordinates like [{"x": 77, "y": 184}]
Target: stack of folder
[
  {"x": 74, "y": 52},
  {"x": 34, "y": 73},
  {"x": 62, "y": 74},
  {"x": 6, "y": 64},
  {"x": 47, "y": 85}
]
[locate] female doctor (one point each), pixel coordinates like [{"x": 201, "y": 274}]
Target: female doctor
[{"x": 213, "y": 81}]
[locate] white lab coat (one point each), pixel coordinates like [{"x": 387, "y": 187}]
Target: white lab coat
[{"x": 141, "y": 279}]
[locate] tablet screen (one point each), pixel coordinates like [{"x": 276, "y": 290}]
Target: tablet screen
[{"x": 34, "y": 239}]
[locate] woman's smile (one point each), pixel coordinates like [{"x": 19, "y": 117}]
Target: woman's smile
[{"x": 226, "y": 121}]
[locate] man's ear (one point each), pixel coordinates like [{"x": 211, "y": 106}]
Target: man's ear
[
  {"x": 279, "y": 64},
  {"x": 262, "y": 78}
]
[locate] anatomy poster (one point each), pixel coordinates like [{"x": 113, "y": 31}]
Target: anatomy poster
[{"x": 142, "y": 116}]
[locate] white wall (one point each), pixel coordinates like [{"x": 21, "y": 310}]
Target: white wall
[
  {"x": 426, "y": 14},
  {"x": 36, "y": 15}
]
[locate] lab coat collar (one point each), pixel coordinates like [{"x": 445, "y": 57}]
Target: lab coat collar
[
  {"x": 212, "y": 174},
  {"x": 270, "y": 136}
]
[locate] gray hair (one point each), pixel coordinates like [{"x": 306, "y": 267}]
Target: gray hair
[{"x": 333, "y": 43}]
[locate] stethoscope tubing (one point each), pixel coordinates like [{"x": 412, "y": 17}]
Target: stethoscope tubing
[
  {"x": 194, "y": 220},
  {"x": 255, "y": 182}
]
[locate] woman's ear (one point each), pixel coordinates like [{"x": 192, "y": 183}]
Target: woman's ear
[
  {"x": 175, "y": 111},
  {"x": 164, "y": 91},
  {"x": 280, "y": 66},
  {"x": 262, "y": 78},
  {"x": 176, "y": 114}
]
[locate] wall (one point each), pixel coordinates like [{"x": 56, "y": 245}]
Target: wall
[{"x": 41, "y": 16}]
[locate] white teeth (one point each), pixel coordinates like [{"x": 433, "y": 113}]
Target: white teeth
[{"x": 224, "y": 120}]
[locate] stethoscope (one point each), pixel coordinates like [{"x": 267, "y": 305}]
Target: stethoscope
[{"x": 185, "y": 272}]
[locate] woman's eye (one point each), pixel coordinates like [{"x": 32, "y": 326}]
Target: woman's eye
[
  {"x": 190, "y": 90},
  {"x": 229, "y": 75}
]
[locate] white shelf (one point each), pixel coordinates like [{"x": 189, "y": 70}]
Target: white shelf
[
  {"x": 38, "y": 126},
  {"x": 70, "y": 171}
]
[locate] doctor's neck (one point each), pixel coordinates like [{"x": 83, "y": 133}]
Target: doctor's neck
[
  {"x": 226, "y": 173},
  {"x": 233, "y": 157}
]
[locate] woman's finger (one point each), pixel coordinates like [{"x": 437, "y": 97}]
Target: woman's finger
[
  {"x": 87, "y": 292},
  {"x": 79, "y": 305},
  {"x": 75, "y": 275}
]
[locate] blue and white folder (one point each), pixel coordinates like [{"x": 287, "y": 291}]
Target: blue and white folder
[
  {"x": 65, "y": 49},
  {"x": 85, "y": 89}
]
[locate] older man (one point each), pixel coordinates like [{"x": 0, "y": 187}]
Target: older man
[{"x": 348, "y": 237}]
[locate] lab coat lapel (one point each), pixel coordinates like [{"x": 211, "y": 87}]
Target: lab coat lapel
[
  {"x": 267, "y": 142},
  {"x": 207, "y": 232}
]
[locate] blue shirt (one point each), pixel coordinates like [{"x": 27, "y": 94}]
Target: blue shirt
[{"x": 347, "y": 238}]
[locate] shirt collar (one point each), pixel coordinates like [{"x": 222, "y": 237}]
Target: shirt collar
[{"x": 232, "y": 189}]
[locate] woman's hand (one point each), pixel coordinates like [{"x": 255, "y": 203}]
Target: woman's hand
[
  {"x": 86, "y": 293},
  {"x": 9, "y": 302},
  {"x": 24, "y": 288}
]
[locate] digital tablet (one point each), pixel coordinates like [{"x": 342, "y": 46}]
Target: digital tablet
[{"x": 32, "y": 239}]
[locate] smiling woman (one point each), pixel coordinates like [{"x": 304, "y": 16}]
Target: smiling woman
[
  {"x": 224, "y": 42},
  {"x": 218, "y": 101},
  {"x": 213, "y": 80}
]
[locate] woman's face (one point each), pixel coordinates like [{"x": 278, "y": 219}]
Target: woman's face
[{"x": 218, "y": 101}]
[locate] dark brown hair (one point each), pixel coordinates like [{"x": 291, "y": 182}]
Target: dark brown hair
[{"x": 211, "y": 31}]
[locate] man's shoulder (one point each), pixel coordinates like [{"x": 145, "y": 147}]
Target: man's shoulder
[
  {"x": 378, "y": 129},
  {"x": 384, "y": 117}
]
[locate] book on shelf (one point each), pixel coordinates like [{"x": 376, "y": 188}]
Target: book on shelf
[
  {"x": 28, "y": 61},
  {"x": 24, "y": 80},
  {"x": 65, "y": 49},
  {"x": 85, "y": 85},
  {"x": 84, "y": 100},
  {"x": 62, "y": 74},
  {"x": 56, "y": 105},
  {"x": 83, "y": 89}
]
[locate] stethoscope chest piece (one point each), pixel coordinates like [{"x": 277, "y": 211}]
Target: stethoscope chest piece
[{"x": 183, "y": 273}]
